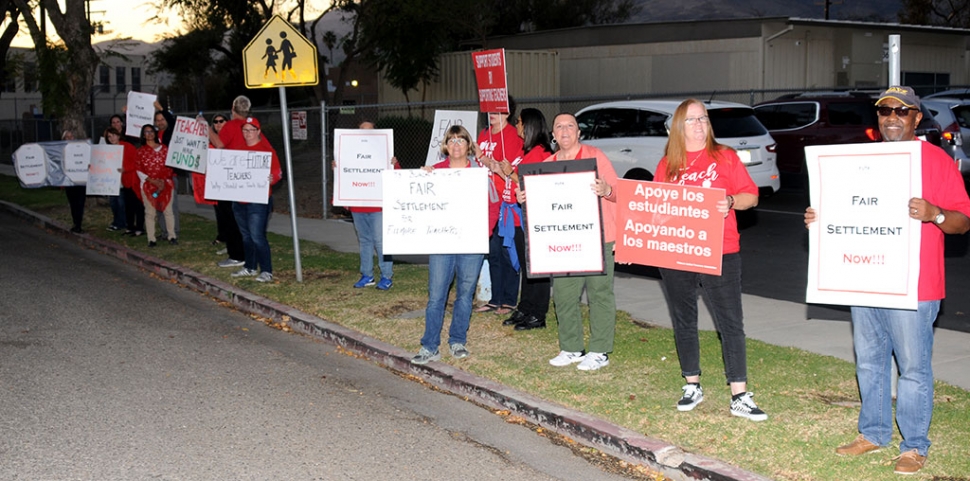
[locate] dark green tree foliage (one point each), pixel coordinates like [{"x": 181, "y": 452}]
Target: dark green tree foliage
[
  {"x": 10, "y": 11},
  {"x": 947, "y": 13}
]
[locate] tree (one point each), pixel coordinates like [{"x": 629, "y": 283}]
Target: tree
[
  {"x": 6, "y": 38},
  {"x": 947, "y": 13},
  {"x": 67, "y": 67}
]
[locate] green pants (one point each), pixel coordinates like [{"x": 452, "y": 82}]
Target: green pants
[{"x": 567, "y": 293}]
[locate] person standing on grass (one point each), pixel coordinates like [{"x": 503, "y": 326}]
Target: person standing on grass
[
  {"x": 227, "y": 232},
  {"x": 879, "y": 334},
  {"x": 253, "y": 218},
  {"x": 693, "y": 157},
  {"x": 369, "y": 224},
  {"x": 567, "y": 292},
  {"x": 77, "y": 195},
  {"x": 157, "y": 184},
  {"x": 463, "y": 269}
]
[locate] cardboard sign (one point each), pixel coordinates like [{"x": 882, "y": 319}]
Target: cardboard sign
[
  {"x": 668, "y": 225},
  {"x": 77, "y": 157},
  {"x": 361, "y": 156},
  {"x": 140, "y": 112},
  {"x": 238, "y": 175},
  {"x": 439, "y": 212},
  {"x": 863, "y": 247},
  {"x": 443, "y": 120},
  {"x": 104, "y": 174},
  {"x": 493, "y": 92},
  {"x": 30, "y": 163},
  {"x": 189, "y": 147},
  {"x": 564, "y": 226}
]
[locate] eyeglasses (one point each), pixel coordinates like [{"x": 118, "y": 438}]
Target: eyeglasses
[
  {"x": 692, "y": 120},
  {"x": 249, "y": 131},
  {"x": 456, "y": 140},
  {"x": 900, "y": 111},
  {"x": 220, "y": 121}
]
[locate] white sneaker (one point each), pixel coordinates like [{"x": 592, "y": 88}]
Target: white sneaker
[
  {"x": 230, "y": 262},
  {"x": 265, "y": 277},
  {"x": 244, "y": 273},
  {"x": 566, "y": 358},
  {"x": 693, "y": 395},
  {"x": 593, "y": 361}
]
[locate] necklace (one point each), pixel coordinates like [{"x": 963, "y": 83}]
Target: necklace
[{"x": 691, "y": 164}]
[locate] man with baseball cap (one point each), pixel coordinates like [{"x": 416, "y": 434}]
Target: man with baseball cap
[{"x": 878, "y": 333}]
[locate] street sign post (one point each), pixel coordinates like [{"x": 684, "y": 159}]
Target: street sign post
[{"x": 278, "y": 56}]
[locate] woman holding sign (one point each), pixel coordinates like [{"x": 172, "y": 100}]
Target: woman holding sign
[
  {"x": 135, "y": 214},
  {"x": 693, "y": 157},
  {"x": 463, "y": 269},
  {"x": 568, "y": 291},
  {"x": 157, "y": 184}
]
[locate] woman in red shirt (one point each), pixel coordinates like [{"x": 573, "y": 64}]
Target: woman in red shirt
[{"x": 157, "y": 186}]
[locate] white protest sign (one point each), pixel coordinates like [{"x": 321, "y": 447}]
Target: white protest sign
[
  {"x": 30, "y": 162},
  {"x": 238, "y": 175},
  {"x": 564, "y": 226},
  {"x": 77, "y": 157},
  {"x": 863, "y": 247},
  {"x": 362, "y": 155},
  {"x": 140, "y": 112},
  {"x": 444, "y": 119},
  {"x": 440, "y": 212},
  {"x": 189, "y": 146},
  {"x": 104, "y": 175}
]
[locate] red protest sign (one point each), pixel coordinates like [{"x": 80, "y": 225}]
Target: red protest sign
[
  {"x": 669, "y": 225},
  {"x": 493, "y": 92}
]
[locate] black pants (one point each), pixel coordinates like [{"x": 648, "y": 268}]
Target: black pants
[
  {"x": 76, "y": 197},
  {"x": 228, "y": 230},
  {"x": 534, "y": 294},
  {"x": 135, "y": 214}
]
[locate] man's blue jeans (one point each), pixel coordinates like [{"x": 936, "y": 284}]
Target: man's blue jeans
[
  {"x": 252, "y": 220},
  {"x": 117, "y": 203},
  {"x": 442, "y": 270},
  {"x": 370, "y": 236},
  {"x": 876, "y": 335}
]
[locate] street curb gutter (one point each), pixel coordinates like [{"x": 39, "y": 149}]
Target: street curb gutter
[{"x": 599, "y": 434}]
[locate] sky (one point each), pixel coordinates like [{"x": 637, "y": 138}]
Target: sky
[{"x": 121, "y": 18}]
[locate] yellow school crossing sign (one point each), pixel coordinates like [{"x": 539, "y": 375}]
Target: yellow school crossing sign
[{"x": 279, "y": 56}]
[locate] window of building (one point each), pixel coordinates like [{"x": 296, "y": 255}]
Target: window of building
[
  {"x": 120, "y": 85},
  {"x": 926, "y": 83},
  {"x": 104, "y": 77},
  {"x": 136, "y": 79},
  {"x": 30, "y": 77}
]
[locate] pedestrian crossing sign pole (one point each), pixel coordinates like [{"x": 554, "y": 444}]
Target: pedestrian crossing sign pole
[{"x": 280, "y": 56}]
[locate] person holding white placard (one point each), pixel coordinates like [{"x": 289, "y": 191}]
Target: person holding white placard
[
  {"x": 134, "y": 209},
  {"x": 567, "y": 292},
  {"x": 443, "y": 269},
  {"x": 76, "y": 196},
  {"x": 879, "y": 334},
  {"x": 157, "y": 184},
  {"x": 693, "y": 157}
]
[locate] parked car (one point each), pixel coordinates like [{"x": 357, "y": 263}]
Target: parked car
[
  {"x": 824, "y": 118},
  {"x": 633, "y": 134},
  {"x": 954, "y": 117}
]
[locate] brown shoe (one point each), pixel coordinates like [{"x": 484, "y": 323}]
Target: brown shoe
[
  {"x": 859, "y": 446},
  {"x": 909, "y": 462}
]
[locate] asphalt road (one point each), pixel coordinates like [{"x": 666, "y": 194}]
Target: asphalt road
[
  {"x": 107, "y": 373},
  {"x": 774, "y": 248}
]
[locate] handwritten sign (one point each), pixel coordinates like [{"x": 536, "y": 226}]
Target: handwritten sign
[
  {"x": 443, "y": 120},
  {"x": 104, "y": 174},
  {"x": 140, "y": 112},
  {"x": 361, "y": 155},
  {"x": 440, "y": 212},
  {"x": 671, "y": 226},
  {"x": 863, "y": 247},
  {"x": 77, "y": 157},
  {"x": 238, "y": 175},
  {"x": 493, "y": 92},
  {"x": 190, "y": 145},
  {"x": 30, "y": 163}
]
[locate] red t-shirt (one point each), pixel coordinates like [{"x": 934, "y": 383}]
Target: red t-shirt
[
  {"x": 505, "y": 145},
  {"x": 727, "y": 173},
  {"x": 534, "y": 156},
  {"x": 942, "y": 187},
  {"x": 231, "y": 135}
]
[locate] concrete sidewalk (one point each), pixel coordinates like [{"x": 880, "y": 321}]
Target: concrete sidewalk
[{"x": 776, "y": 322}]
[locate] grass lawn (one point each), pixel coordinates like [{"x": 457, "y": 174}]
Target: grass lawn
[{"x": 811, "y": 400}]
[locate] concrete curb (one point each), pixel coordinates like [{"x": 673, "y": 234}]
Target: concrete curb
[{"x": 591, "y": 431}]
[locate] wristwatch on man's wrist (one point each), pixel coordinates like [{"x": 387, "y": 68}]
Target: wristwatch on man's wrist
[{"x": 939, "y": 218}]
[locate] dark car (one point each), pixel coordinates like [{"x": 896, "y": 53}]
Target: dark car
[{"x": 823, "y": 118}]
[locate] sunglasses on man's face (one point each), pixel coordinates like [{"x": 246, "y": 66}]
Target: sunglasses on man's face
[{"x": 900, "y": 111}]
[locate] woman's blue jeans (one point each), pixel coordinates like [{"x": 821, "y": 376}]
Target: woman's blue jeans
[
  {"x": 463, "y": 269},
  {"x": 252, "y": 220}
]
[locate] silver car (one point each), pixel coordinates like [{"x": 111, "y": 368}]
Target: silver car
[
  {"x": 954, "y": 117},
  {"x": 633, "y": 134}
]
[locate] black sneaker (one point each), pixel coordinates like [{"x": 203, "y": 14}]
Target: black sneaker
[
  {"x": 514, "y": 319},
  {"x": 693, "y": 395},
  {"x": 174, "y": 242},
  {"x": 743, "y": 406}
]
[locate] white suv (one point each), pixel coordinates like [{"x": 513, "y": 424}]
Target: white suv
[{"x": 633, "y": 134}]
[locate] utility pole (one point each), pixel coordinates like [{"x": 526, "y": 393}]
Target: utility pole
[{"x": 828, "y": 6}]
